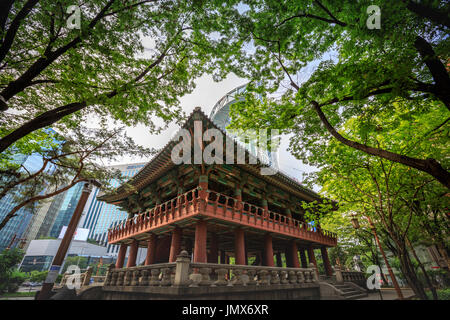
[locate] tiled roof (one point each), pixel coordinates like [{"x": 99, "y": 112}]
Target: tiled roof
[{"x": 162, "y": 162}]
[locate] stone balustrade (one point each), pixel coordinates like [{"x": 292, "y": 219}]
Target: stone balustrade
[
  {"x": 160, "y": 274},
  {"x": 356, "y": 277},
  {"x": 85, "y": 277},
  {"x": 184, "y": 273},
  {"x": 353, "y": 276}
]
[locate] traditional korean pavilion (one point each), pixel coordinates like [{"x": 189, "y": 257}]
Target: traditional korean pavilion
[{"x": 215, "y": 212}]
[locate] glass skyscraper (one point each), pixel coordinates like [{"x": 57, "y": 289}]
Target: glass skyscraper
[
  {"x": 100, "y": 216},
  {"x": 15, "y": 228},
  {"x": 66, "y": 210}
]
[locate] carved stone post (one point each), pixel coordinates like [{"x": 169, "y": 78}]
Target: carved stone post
[
  {"x": 87, "y": 277},
  {"x": 135, "y": 278},
  {"x": 284, "y": 277},
  {"x": 165, "y": 281},
  {"x": 144, "y": 278},
  {"x": 108, "y": 277},
  {"x": 339, "y": 278},
  {"x": 292, "y": 276},
  {"x": 263, "y": 276},
  {"x": 154, "y": 279},
  {"x": 221, "y": 281},
  {"x": 315, "y": 273},
  {"x": 251, "y": 277},
  {"x": 182, "y": 269}
]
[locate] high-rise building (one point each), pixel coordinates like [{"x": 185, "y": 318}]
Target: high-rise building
[
  {"x": 66, "y": 210},
  {"x": 14, "y": 230},
  {"x": 98, "y": 216}
]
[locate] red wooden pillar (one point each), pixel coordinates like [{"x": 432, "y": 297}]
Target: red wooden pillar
[
  {"x": 294, "y": 255},
  {"x": 203, "y": 186},
  {"x": 326, "y": 261},
  {"x": 279, "y": 261},
  {"x": 121, "y": 255},
  {"x": 175, "y": 244},
  {"x": 213, "y": 256},
  {"x": 238, "y": 196},
  {"x": 239, "y": 246},
  {"x": 200, "y": 254},
  {"x": 311, "y": 256},
  {"x": 151, "y": 250},
  {"x": 287, "y": 255},
  {"x": 133, "y": 254},
  {"x": 222, "y": 256},
  {"x": 268, "y": 251},
  {"x": 303, "y": 258}
]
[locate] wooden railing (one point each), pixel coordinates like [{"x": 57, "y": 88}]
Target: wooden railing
[
  {"x": 229, "y": 208},
  {"x": 162, "y": 214},
  {"x": 215, "y": 204}
]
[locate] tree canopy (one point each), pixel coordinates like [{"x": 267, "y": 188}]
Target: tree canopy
[
  {"x": 358, "y": 71},
  {"x": 52, "y": 74}
]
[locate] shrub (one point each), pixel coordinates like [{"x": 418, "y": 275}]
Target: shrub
[{"x": 443, "y": 294}]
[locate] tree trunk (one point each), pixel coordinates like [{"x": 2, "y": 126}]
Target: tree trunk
[
  {"x": 436, "y": 68},
  {"x": 41, "y": 121},
  {"x": 410, "y": 273},
  {"x": 425, "y": 274}
]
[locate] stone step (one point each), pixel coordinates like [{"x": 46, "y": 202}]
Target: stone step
[
  {"x": 349, "y": 293},
  {"x": 356, "y": 296}
]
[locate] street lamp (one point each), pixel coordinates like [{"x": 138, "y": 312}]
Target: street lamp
[
  {"x": 356, "y": 225},
  {"x": 354, "y": 220}
]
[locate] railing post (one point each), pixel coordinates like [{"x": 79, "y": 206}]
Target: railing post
[
  {"x": 182, "y": 269},
  {"x": 315, "y": 272},
  {"x": 108, "y": 276},
  {"x": 87, "y": 277},
  {"x": 339, "y": 277}
]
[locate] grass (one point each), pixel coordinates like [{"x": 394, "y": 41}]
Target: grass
[{"x": 18, "y": 294}]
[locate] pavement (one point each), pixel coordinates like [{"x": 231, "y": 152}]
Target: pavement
[{"x": 389, "y": 294}]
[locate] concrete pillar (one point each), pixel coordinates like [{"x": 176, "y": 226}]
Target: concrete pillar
[
  {"x": 214, "y": 250},
  {"x": 279, "y": 260},
  {"x": 175, "y": 244},
  {"x": 151, "y": 250},
  {"x": 200, "y": 254},
  {"x": 132, "y": 254},
  {"x": 121, "y": 255},
  {"x": 326, "y": 261},
  {"x": 239, "y": 246},
  {"x": 294, "y": 255},
  {"x": 268, "y": 251},
  {"x": 303, "y": 258}
]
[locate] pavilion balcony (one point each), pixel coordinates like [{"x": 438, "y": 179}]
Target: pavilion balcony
[{"x": 213, "y": 205}]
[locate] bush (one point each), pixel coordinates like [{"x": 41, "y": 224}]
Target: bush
[
  {"x": 37, "y": 276},
  {"x": 16, "y": 278},
  {"x": 443, "y": 294},
  {"x": 10, "y": 278}
]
